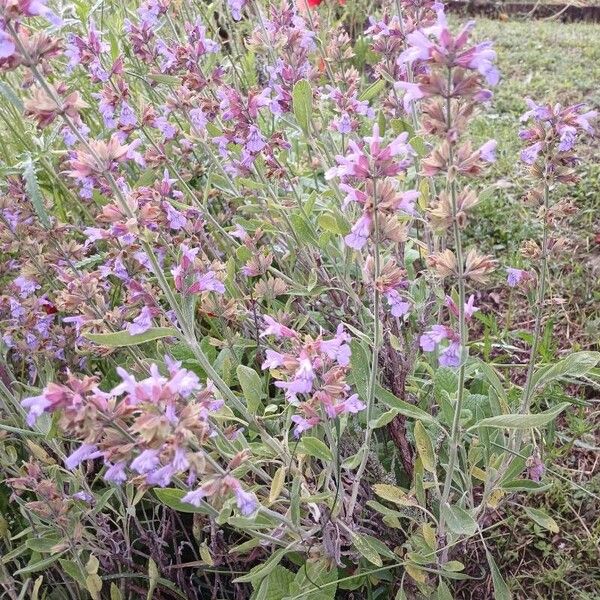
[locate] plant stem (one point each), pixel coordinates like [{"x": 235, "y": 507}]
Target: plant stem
[
  {"x": 462, "y": 330},
  {"x": 539, "y": 313},
  {"x": 374, "y": 358}
]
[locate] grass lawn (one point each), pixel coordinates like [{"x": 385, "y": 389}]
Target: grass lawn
[{"x": 559, "y": 63}]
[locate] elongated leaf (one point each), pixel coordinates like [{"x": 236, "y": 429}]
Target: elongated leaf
[
  {"x": 360, "y": 369},
  {"x": 9, "y": 94},
  {"x": 383, "y": 419},
  {"x": 314, "y": 581},
  {"x": 38, "y": 566},
  {"x": 372, "y": 91},
  {"x": 392, "y": 493},
  {"x": 542, "y": 519},
  {"x": 516, "y": 421},
  {"x": 171, "y": 497},
  {"x": 403, "y": 408},
  {"x": 365, "y": 547},
  {"x": 575, "y": 365},
  {"x": 459, "y": 520},
  {"x": 277, "y": 484},
  {"x": 275, "y": 586},
  {"x": 120, "y": 339},
  {"x": 424, "y": 447},
  {"x": 315, "y": 447},
  {"x": 263, "y": 569},
  {"x": 34, "y": 193},
  {"x": 302, "y": 101},
  {"x": 501, "y": 591},
  {"x": 251, "y": 386}
]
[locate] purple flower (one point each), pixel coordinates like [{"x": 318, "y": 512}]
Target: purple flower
[
  {"x": 412, "y": 92},
  {"x": 83, "y": 496},
  {"x": 236, "y": 6},
  {"x": 7, "y": 46},
  {"x": 35, "y": 405},
  {"x": 530, "y": 155},
  {"x": 195, "y": 497},
  {"x": 26, "y": 286},
  {"x": 273, "y": 360},
  {"x": 431, "y": 338},
  {"x": 303, "y": 424},
  {"x": 398, "y": 306},
  {"x": 246, "y": 502},
  {"x": 142, "y": 322},
  {"x": 115, "y": 473},
  {"x": 450, "y": 356},
  {"x": 487, "y": 152},
  {"x": 255, "y": 141},
  {"x": 180, "y": 461},
  {"x": 470, "y": 308},
  {"x": 208, "y": 282},
  {"x": 353, "y": 405},
  {"x": 360, "y": 232},
  {"x": 198, "y": 119},
  {"x": 161, "y": 477},
  {"x": 84, "y": 452},
  {"x": 147, "y": 461},
  {"x": 127, "y": 118},
  {"x": 163, "y": 125},
  {"x": 277, "y": 329},
  {"x": 515, "y": 276}
]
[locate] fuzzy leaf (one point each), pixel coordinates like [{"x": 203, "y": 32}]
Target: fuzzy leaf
[
  {"x": 171, "y": 497},
  {"x": 302, "y": 101},
  {"x": 459, "y": 520},
  {"x": 365, "y": 547},
  {"x": 121, "y": 339},
  {"x": 542, "y": 519},
  {"x": 575, "y": 365},
  {"x": 251, "y": 386},
  {"x": 34, "y": 193},
  {"x": 424, "y": 447},
  {"x": 403, "y": 408},
  {"x": 517, "y": 421},
  {"x": 315, "y": 447}
]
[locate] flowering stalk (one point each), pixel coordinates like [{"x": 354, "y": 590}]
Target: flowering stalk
[
  {"x": 370, "y": 401},
  {"x": 455, "y": 434}
]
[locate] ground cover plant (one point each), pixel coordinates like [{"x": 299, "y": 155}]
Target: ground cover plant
[{"x": 247, "y": 344}]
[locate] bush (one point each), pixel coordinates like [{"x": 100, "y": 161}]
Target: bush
[{"x": 239, "y": 350}]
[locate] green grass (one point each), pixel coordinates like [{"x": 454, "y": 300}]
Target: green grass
[{"x": 553, "y": 62}]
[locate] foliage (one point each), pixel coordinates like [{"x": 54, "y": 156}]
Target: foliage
[{"x": 239, "y": 332}]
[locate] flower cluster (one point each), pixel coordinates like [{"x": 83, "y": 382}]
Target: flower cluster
[
  {"x": 312, "y": 372},
  {"x": 151, "y": 431}
]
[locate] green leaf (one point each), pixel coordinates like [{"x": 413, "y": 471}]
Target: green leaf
[
  {"x": 251, "y": 384},
  {"x": 373, "y": 90},
  {"x": 315, "y": 447},
  {"x": 38, "y": 566},
  {"x": 383, "y": 419},
  {"x": 121, "y": 339},
  {"x": 365, "y": 547},
  {"x": 392, "y": 493},
  {"x": 424, "y": 447},
  {"x": 575, "y": 365},
  {"x": 403, "y": 408},
  {"x": 115, "y": 592},
  {"x": 501, "y": 591},
  {"x": 34, "y": 193},
  {"x": 171, "y": 497},
  {"x": 443, "y": 592},
  {"x": 9, "y": 94},
  {"x": 542, "y": 519},
  {"x": 73, "y": 570},
  {"x": 263, "y": 569},
  {"x": 516, "y": 421},
  {"x": 360, "y": 369},
  {"x": 314, "y": 581},
  {"x": 302, "y": 101},
  {"x": 459, "y": 520},
  {"x": 275, "y": 586}
]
